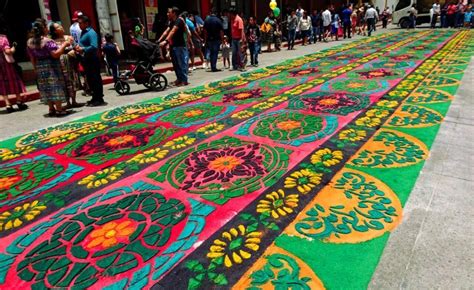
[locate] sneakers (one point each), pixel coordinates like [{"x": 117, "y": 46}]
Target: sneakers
[{"x": 204, "y": 66}]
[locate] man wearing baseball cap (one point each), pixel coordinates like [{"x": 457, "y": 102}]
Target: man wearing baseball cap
[{"x": 75, "y": 30}]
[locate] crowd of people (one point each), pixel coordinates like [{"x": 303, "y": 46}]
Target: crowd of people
[
  {"x": 452, "y": 14},
  {"x": 65, "y": 64}
]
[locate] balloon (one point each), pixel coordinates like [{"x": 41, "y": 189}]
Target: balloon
[
  {"x": 276, "y": 11},
  {"x": 273, "y": 5}
]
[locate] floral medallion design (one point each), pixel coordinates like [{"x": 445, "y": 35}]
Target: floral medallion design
[
  {"x": 303, "y": 72},
  {"x": 22, "y": 176},
  {"x": 115, "y": 143},
  {"x": 102, "y": 241},
  {"x": 289, "y": 127},
  {"x": 330, "y": 103},
  {"x": 191, "y": 115},
  {"x": 379, "y": 73},
  {"x": 277, "y": 268},
  {"x": 390, "y": 148},
  {"x": 239, "y": 96},
  {"x": 355, "y": 207},
  {"x": 356, "y": 85},
  {"x": 411, "y": 116},
  {"x": 223, "y": 169},
  {"x": 391, "y": 64}
]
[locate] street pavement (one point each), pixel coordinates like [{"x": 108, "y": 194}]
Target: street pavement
[{"x": 432, "y": 248}]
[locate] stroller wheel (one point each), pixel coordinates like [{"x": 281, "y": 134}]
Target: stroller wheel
[
  {"x": 122, "y": 88},
  {"x": 158, "y": 82}
]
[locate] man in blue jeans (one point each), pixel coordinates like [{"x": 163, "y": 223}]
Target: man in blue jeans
[
  {"x": 178, "y": 37},
  {"x": 213, "y": 34},
  {"x": 88, "y": 48},
  {"x": 238, "y": 37}
]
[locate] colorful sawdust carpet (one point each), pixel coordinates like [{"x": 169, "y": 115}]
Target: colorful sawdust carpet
[{"x": 288, "y": 176}]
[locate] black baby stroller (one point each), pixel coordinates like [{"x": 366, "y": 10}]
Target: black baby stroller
[{"x": 142, "y": 71}]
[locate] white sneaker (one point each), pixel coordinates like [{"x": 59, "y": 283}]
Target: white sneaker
[{"x": 204, "y": 66}]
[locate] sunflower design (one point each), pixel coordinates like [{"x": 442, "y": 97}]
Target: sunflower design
[
  {"x": 126, "y": 117},
  {"x": 278, "y": 204},
  {"x": 179, "y": 142},
  {"x": 278, "y": 99},
  {"x": 387, "y": 104},
  {"x": 16, "y": 217},
  {"x": 304, "y": 180},
  {"x": 102, "y": 177},
  {"x": 368, "y": 122},
  {"x": 6, "y": 154},
  {"x": 378, "y": 113},
  {"x": 109, "y": 235},
  {"x": 23, "y": 150},
  {"x": 243, "y": 115},
  {"x": 92, "y": 129},
  {"x": 63, "y": 138},
  {"x": 211, "y": 128},
  {"x": 352, "y": 135},
  {"x": 149, "y": 156},
  {"x": 327, "y": 157},
  {"x": 235, "y": 246},
  {"x": 263, "y": 106}
]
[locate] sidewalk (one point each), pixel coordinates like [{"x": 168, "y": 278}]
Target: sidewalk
[
  {"x": 32, "y": 93},
  {"x": 33, "y": 119}
]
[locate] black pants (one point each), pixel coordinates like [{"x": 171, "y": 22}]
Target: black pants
[
  {"x": 94, "y": 80},
  {"x": 370, "y": 25},
  {"x": 433, "y": 20},
  {"x": 347, "y": 27}
]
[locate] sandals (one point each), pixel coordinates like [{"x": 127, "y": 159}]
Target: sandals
[
  {"x": 62, "y": 113},
  {"x": 10, "y": 109}
]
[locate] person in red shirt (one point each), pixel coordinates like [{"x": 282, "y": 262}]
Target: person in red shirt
[
  {"x": 451, "y": 14},
  {"x": 238, "y": 38}
]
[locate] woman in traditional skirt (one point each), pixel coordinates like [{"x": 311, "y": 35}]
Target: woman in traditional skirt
[
  {"x": 44, "y": 54},
  {"x": 68, "y": 64},
  {"x": 10, "y": 81}
]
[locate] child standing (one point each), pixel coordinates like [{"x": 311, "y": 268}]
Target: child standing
[
  {"x": 467, "y": 18},
  {"x": 111, "y": 52},
  {"x": 253, "y": 37},
  {"x": 226, "y": 49}
]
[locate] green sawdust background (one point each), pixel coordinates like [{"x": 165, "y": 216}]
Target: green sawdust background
[{"x": 351, "y": 266}]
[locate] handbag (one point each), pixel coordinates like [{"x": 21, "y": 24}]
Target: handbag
[{"x": 9, "y": 57}]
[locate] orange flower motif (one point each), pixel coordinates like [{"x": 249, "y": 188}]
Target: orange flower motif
[
  {"x": 328, "y": 102},
  {"x": 110, "y": 234},
  {"x": 243, "y": 96},
  {"x": 193, "y": 113},
  {"x": 288, "y": 125},
  {"x": 120, "y": 140},
  {"x": 7, "y": 182},
  {"x": 355, "y": 85},
  {"x": 225, "y": 163}
]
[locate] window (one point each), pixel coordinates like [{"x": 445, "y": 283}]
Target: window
[{"x": 403, "y": 4}]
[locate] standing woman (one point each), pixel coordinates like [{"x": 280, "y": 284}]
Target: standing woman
[
  {"x": 71, "y": 76},
  {"x": 305, "y": 27},
  {"x": 10, "y": 81},
  {"x": 44, "y": 54}
]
